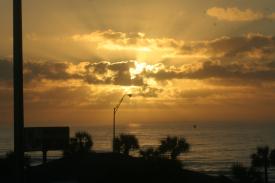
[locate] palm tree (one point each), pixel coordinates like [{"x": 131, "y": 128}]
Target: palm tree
[
  {"x": 149, "y": 153},
  {"x": 125, "y": 143},
  {"x": 263, "y": 158},
  {"x": 272, "y": 157},
  {"x": 84, "y": 141},
  {"x": 81, "y": 143},
  {"x": 174, "y": 145},
  {"x": 245, "y": 175}
]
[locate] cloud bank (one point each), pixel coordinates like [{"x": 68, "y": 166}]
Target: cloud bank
[
  {"x": 234, "y": 14},
  {"x": 232, "y": 73}
]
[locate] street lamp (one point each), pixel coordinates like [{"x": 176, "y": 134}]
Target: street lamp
[{"x": 114, "y": 118}]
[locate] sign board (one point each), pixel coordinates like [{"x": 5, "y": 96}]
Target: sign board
[{"x": 46, "y": 138}]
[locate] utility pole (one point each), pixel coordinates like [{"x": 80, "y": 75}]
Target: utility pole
[{"x": 18, "y": 91}]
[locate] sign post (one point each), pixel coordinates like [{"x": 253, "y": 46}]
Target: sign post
[{"x": 46, "y": 139}]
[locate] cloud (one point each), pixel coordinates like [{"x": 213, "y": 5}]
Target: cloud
[
  {"x": 155, "y": 50},
  {"x": 243, "y": 57},
  {"x": 234, "y": 14},
  {"x": 105, "y": 73},
  {"x": 214, "y": 69},
  {"x": 117, "y": 73},
  {"x": 47, "y": 70},
  {"x": 242, "y": 61},
  {"x": 179, "y": 52},
  {"x": 135, "y": 45},
  {"x": 113, "y": 46},
  {"x": 147, "y": 91},
  {"x": 249, "y": 47}
]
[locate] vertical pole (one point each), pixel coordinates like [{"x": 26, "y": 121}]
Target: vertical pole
[
  {"x": 114, "y": 129},
  {"x": 18, "y": 91},
  {"x": 44, "y": 151}
]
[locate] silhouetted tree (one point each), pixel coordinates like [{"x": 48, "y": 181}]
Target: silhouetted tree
[
  {"x": 272, "y": 157},
  {"x": 245, "y": 175},
  {"x": 125, "y": 143},
  {"x": 174, "y": 145},
  {"x": 149, "y": 153},
  {"x": 263, "y": 158},
  {"x": 81, "y": 143}
]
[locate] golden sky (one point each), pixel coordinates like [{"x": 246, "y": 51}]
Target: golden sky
[{"x": 200, "y": 60}]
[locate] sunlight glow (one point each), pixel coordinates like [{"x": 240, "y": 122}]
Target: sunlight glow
[{"x": 139, "y": 68}]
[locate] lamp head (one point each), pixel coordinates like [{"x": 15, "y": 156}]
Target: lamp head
[{"x": 130, "y": 95}]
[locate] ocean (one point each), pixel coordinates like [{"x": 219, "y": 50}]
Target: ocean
[{"x": 214, "y": 146}]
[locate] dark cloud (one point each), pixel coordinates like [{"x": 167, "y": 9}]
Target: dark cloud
[
  {"x": 47, "y": 70},
  {"x": 236, "y": 70},
  {"x": 212, "y": 69},
  {"x": 232, "y": 48},
  {"x": 37, "y": 71},
  {"x": 117, "y": 73},
  {"x": 249, "y": 57}
]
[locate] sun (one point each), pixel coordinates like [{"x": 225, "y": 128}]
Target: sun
[{"x": 139, "y": 68}]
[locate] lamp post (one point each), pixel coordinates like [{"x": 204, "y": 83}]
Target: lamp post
[
  {"x": 114, "y": 118},
  {"x": 18, "y": 91}
]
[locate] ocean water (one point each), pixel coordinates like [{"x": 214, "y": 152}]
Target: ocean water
[{"x": 214, "y": 146}]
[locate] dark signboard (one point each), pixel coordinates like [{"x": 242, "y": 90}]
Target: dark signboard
[{"x": 46, "y": 138}]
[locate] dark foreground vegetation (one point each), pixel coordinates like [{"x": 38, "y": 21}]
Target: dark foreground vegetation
[
  {"x": 258, "y": 172},
  {"x": 159, "y": 164},
  {"x": 109, "y": 167}
]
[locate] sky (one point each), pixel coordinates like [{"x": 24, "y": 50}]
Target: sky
[{"x": 200, "y": 60}]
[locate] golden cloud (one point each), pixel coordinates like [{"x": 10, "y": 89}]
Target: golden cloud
[
  {"x": 233, "y": 14},
  {"x": 137, "y": 44}
]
